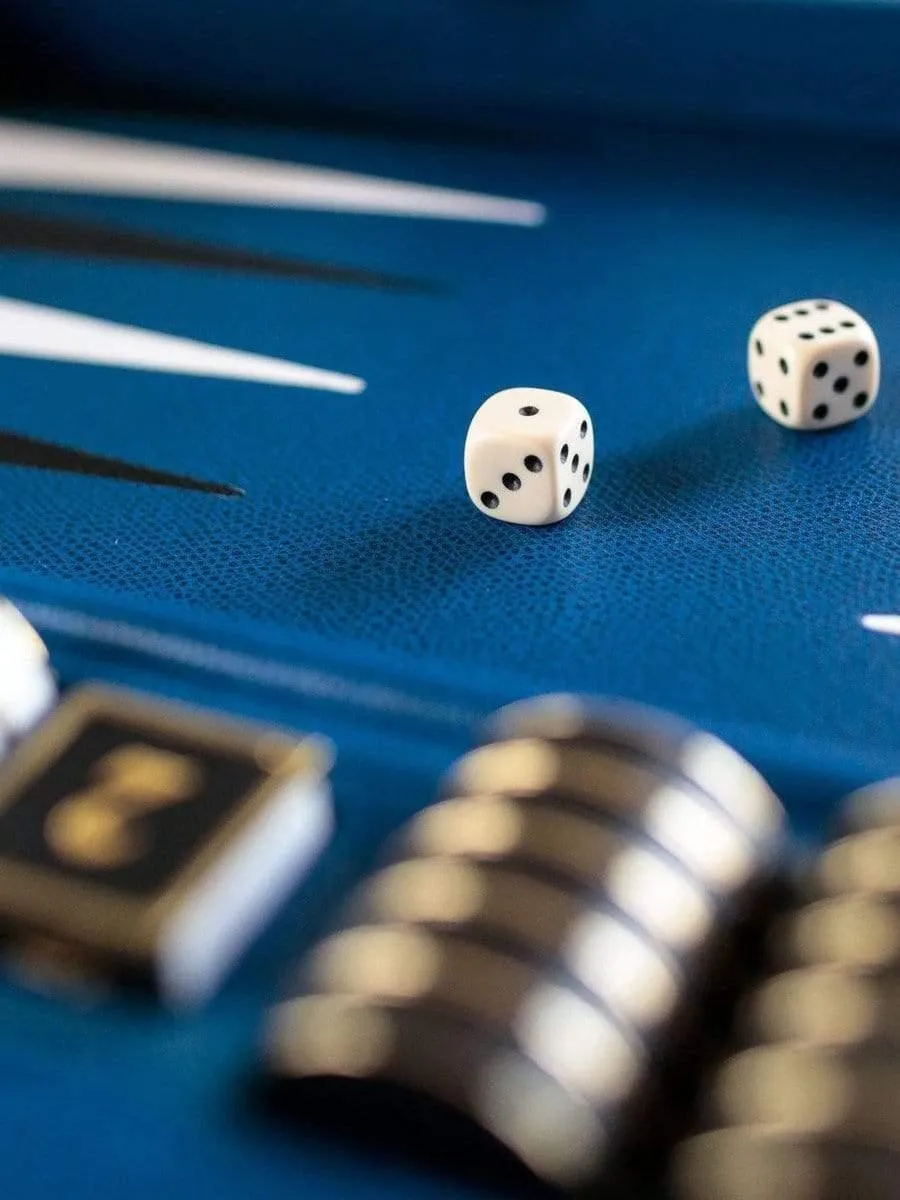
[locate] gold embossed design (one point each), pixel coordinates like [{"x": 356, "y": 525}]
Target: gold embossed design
[
  {"x": 98, "y": 827},
  {"x": 69, "y": 908}
]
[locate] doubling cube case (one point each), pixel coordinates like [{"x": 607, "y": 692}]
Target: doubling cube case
[{"x": 153, "y": 841}]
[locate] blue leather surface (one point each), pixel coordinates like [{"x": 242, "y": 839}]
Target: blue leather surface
[
  {"x": 558, "y": 66},
  {"x": 718, "y": 566}
]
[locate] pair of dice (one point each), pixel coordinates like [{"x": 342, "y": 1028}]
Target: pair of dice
[{"x": 529, "y": 453}]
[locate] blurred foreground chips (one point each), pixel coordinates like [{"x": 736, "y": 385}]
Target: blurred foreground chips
[
  {"x": 809, "y": 1109},
  {"x": 552, "y": 951}
]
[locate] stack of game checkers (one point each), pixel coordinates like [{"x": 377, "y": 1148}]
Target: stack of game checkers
[
  {"x": 544, "y": 946},
  {"x": 809, "y": 1109}
]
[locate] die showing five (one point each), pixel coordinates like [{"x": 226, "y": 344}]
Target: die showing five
[{"x": 529, "y": 456}]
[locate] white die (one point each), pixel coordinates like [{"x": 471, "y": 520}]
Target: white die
[
  {"x": 813, "y": 364},
  {"x": 529, "y": 456},
  {"x": 27, "y": 687}
]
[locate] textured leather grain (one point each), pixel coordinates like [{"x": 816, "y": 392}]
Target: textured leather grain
[{"x": 719, "y": 565}]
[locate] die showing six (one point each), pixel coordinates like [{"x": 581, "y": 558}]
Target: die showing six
[{"x": 813, "y": 364}]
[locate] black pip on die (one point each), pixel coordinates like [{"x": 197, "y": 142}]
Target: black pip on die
[
  {"x": 529, "y": 456},
  {"x": 813, "y": 364}
]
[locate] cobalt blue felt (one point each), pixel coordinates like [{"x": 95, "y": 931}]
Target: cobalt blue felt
[
  {"x": 719, "y": 565},
  {"x": 558, "y": 66}
]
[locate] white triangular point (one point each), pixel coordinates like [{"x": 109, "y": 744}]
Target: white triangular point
[
  {"x": 34, "y": 331},
  {"x": 42, "y": 157},
  {"x": 881, "y": 623}
]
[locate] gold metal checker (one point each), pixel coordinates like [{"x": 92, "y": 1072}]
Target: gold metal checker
[
  {"x": 830, "y": 1004},
  {"x": 857, "y": 930},
  {"x": 678, "y": 817},
  {"x": 655, "y": 738},
  {"x": 568, "y": 932},
  {"x": 847, "y": 1094},
  {"x": 863, "y": 862},
  {"x": 641, "y": 879},
  {"x": 874, "y": 807},
  {"x": 556, "y": 1134},
  {"x": 765, "y": 1162},
  {"x": 576, "y": 1041}
]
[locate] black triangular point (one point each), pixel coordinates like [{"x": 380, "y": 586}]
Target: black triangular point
[
  {"x": 38, "y": 455},
  {"x": 87, "y": 239}
]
